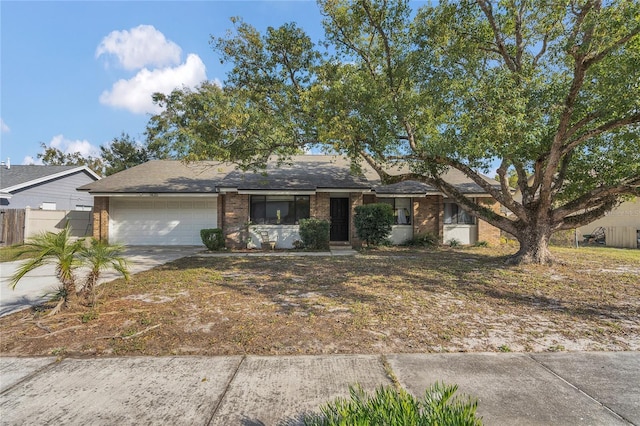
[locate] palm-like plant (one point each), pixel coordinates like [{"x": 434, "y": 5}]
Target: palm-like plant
[
  {"x": 59, "y": 249},
  {"x": 100, "y": 256}
]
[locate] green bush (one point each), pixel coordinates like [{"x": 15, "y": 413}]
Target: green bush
[
  {"x": 389, "y": 406},
  {"x": 212, "y": 238},
  {"x": 454, "y": 242},
  {"x": 422, "y": 240},
  {"x": 314, "y": 233},
  {"x": 481, "y": 243},
  {"x": 373, "y": 222}
]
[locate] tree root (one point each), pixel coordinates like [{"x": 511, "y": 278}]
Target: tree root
[
  {"x": 56, "y": 308},
  {"x": 42, "y": 327},
  {"x": 51, "y": 333},
  {"x": 139, "y": 333}
]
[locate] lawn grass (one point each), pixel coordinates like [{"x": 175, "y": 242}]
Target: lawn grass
[
  {"x": 11, "y": 253},
  {"x": 390, "y": 300}
]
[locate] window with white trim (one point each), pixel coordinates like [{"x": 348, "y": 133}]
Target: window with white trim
[
  {"x": 401, "y": 209},
  {"x": 454, "y": 214},
  {"x": 279, "y": 209}
]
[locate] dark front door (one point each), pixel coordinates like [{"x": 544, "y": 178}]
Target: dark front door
[{"x": 339, "y": 219}]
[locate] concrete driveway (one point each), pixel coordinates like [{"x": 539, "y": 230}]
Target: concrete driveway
[{"x": 32, "y": 289}]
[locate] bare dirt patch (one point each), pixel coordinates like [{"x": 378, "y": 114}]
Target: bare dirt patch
[{"x": 382, "y": 301}]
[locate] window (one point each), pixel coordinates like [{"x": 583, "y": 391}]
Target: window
[
  {"x": 401, "y": 209},
  {"x": 454, "y": 214},
  {"x": 47, "y": 205},
  {"x": 279, "y": 209},
  {"x": 83, "y": 208}
]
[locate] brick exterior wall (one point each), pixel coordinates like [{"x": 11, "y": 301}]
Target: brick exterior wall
[
  {"x": 487, "y": 232},
  {"x": 101, "y": 218},
  {"x": 235, "y": 216},
  {"x": 368, "y": 198},
  {"x": 320, "y": 206},
  {"x": 355, "y": 200},
  {"x": 427, "y": 215},
  {"x": 220, "y": 208}
]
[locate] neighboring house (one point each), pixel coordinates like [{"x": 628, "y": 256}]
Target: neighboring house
[
  {"x": 621, "y": 225},
  {"x": 169, "y": 202},
  {"x": 45, "y": 187}
]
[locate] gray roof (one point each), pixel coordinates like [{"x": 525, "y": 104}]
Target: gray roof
[
  {"x": 15, "y": 177},
  {"x": 452, "y": 176},
  {"x": 164, "y": 176},
  {"x": 300, "y": 173}
]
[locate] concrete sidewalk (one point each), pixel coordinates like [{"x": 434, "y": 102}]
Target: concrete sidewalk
[{"x": 590, "y": 388}]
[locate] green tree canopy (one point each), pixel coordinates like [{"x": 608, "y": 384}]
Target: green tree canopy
[
  {"x": 549, "y": 90},
  {"x": 122, "y": 153},
  {"x": 52, "y": 156}
]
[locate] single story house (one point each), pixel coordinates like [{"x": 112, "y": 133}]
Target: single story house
[
  {"x": 45, "y": 187},
  {"x": 168, "y": 203}
]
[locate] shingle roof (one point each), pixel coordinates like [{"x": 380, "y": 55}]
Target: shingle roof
[
  {"x": 164, "y": 176},
  {"x": 300, "y": 173},
  {"x": 452, "y": 176},
  {"x": 19, "y": 176}
]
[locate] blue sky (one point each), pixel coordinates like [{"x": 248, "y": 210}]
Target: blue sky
[{"x": 75, "y": 75}]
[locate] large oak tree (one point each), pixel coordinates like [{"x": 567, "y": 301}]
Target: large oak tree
[{"x": 549, "y": 91}]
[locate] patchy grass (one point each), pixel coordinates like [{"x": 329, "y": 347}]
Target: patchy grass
[
  {"x": 9, "y": 254},
  {"x": 382, "y": 301}
]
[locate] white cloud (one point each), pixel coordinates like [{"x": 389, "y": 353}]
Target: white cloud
[
  {"x": 135, "y": 94},
  {"x": 69, "y": 146},
  {"x": 140, "y": 47},
  {"x": 3, "y": 126},
  {"x": 28, "y": 160}
]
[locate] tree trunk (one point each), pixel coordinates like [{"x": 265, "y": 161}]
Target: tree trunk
[
  {"x": 71, "y": 295},
  {"x": 534, "y": 246}
]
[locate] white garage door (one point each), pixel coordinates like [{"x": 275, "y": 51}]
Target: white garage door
[{"x": 160, "y": 221}]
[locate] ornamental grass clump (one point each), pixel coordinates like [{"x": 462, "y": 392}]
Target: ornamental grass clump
[{"x": 396, "y": 407}]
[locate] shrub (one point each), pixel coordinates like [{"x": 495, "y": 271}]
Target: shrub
[
  {"x": 389, "y": 406},
  {"x": 422, "y": 240},
  {"x": 314, "y": 233},
  {"x": 454, "y": 242},
  {"x": 373, "y": 222},
  {"x": 481, "y": 243},
  {"x": 212, "y": 238}
]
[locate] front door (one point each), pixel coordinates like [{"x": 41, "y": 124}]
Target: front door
[{"x": 339, "y": 210}]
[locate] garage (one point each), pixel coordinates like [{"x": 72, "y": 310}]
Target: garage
[{"x": 160, "y": 220}]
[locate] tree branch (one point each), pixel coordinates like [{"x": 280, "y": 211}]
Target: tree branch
[
  {"x": 485, "y": 5},
  {"x": 601, "y": 55},
  {"x": 589, "y": 216},
  {"x": 611, "y": 125},
  {"x": 594, "y": 197}
]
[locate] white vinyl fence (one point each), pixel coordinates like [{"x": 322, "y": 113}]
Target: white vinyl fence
[{"x": 37, "y": 221}]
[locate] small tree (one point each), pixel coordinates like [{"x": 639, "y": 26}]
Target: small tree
[
  {"x": 68, "y": 255},
  {"x": 101, "y": 256},
  {"x": 59, "y": 249},
  {"x": 373, "y": 222},
  {"x": 314, "y": 233}
]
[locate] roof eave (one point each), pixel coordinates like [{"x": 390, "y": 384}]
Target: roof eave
[{"x": 51, "y": 177}]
